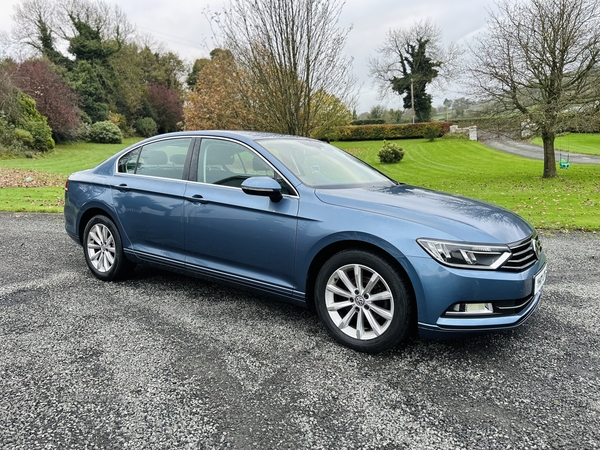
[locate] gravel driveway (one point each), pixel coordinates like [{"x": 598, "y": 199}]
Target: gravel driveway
[{"x": 166, "y": 361}]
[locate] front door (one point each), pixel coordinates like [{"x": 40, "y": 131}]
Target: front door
[{"x": 231, "y": 234}]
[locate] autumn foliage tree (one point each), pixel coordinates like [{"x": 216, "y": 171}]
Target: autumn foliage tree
[
  {"x": 54, "y": 99},
  {"x": 215, "y": 101},
  {"x": 165, "y": 107},
  {"x": 291, "y": 55}
]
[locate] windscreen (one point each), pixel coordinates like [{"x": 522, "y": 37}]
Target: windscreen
[{"x": 320, "y": 165}]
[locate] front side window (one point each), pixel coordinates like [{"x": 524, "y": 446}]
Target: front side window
[
  {"x": 164, "y": 159},
  {"x": 229, "y": 164}
]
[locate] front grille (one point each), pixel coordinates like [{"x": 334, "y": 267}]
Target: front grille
[{"x": 524, "y": 254}]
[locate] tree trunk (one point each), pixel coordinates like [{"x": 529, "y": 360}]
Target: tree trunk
[{"x": 549, "y": 158}]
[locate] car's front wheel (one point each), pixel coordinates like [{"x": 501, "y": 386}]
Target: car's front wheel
[
  {"x": 103, "y": 250},
  {"x": 363, "y": 301}
]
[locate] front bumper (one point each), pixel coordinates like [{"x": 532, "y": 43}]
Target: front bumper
[
  {"x": 454, "y": 327},
  {"x": 443, "y": 287}
]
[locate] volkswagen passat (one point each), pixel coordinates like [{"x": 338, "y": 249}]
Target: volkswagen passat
[{"x": 306, "y": 222}]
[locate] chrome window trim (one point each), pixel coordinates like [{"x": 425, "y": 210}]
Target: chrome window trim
[{"x": 200, "y": 138}]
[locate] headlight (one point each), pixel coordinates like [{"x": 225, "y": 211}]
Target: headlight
[{"x": 466, "y": 256}]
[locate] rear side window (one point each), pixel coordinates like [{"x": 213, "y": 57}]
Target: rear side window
[{"x": 164, "y": 159}]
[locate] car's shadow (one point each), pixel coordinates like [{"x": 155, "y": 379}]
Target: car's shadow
[{"x": 482, "y": 347}]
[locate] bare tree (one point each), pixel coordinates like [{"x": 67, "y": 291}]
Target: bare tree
[
  {"x": 537, "y": 59},
  {"x": 48, "y": 25},
  {"x": 8, "y": 91},
  {"x": 36, "y": 21},
  {"x": 409, "y": 60},
  {"x": 107, "y": 19},
  {"x": 291, "y": 54}
]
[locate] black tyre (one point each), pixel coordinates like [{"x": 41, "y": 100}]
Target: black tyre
[
  {"x": 103, "y": 250},
  {"x": 363, "y": 301}
]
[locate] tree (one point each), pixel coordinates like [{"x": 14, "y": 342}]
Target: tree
[
  {"x": 166, "y": 105},
  {"x": 35, "y": 20},
  {"x": 91, "y": 32},
  {"x": 131, "y": 86},
  {"x": 192, "y": 78},
  {"x": 198, "y": 65},
  {"x": 44, "y": 25},
  {"x": 537, "y": 59},
  {"x": 460, "y": 105},
  {"x": 215, "y": 101},
  {"x": 393, "y": 115},
  {"x": 377, "y": 112},
  {"x": 410, "y": 59},
  {"x": 8, "y": 88},
  {"x": 165, "y": 69},
  {"x": 291, "y": 55},
  {"x": 332, "y": 113},
  {"x": 54, "y": 99}
]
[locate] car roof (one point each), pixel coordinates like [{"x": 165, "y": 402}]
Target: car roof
[{"x": 235, "y": 134}]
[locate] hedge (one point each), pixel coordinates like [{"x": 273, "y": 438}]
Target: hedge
[
  {"x": 367, "y": 122},
  {"x": 387, "y": 131}
]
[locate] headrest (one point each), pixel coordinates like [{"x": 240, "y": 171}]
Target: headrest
[
  {"x": 156, "y": 157},
  {"x": 220, "y": 154}
]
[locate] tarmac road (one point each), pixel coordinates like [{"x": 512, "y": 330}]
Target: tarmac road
[
  {"x": 164, "y": 361},
  {"x": 532, "y": 151}
]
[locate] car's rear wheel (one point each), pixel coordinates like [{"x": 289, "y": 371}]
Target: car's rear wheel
[
  {"x": 103, "y": 250},
  {"x": 363, "y": 301}
]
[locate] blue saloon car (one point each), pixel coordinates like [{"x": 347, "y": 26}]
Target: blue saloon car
[{"x": 303, "y": 221}]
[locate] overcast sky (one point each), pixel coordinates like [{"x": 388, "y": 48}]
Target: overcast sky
[{"x": 182, "y": 27}]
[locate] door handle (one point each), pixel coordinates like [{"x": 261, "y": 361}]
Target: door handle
[
  {"x": 123, "y": 187},
  {"x": 196, "y": 198}
]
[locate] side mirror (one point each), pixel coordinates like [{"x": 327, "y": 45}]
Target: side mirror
[{"x": 264, "y": 187}]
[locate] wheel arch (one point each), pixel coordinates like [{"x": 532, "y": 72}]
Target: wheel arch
[
  {"x": 96, "y": 210},
  {"x": 328, "y": 251}
]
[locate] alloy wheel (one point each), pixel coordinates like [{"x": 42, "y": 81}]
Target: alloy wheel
[
  {"x": 359, "y": 301},
  {"x": 101, "y": 248}
]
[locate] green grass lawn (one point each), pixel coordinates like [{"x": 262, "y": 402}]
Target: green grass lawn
[
  {"x": 585, "y": 143},
  {"x": 69, "y": 158},
  {"x": 569, "y": 201}
]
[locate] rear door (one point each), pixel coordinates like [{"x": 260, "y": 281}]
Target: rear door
[{"x": 148, "y": 194}]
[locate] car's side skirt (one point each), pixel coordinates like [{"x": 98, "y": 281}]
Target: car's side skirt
[{"x": 252, "y": 285}]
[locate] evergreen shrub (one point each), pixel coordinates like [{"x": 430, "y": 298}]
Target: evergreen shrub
[
  {"x": 146, "y": 126},
  {"x": 390, "y": 153},
  {"x": 106, "y": 132},
  {"x": 431, "y": 132}
]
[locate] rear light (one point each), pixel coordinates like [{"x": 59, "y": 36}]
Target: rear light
[{"x": 67, "y": 185}]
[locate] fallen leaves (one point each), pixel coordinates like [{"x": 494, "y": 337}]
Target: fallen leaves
[{"x": 15, "y": 178}]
